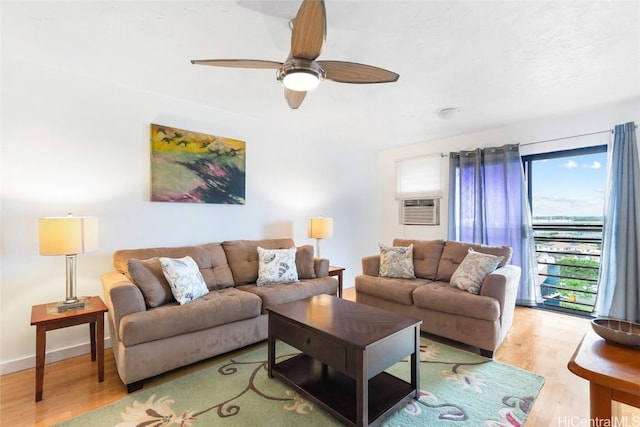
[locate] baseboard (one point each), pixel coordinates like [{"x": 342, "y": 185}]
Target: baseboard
[{"x": 51, "y": 356}]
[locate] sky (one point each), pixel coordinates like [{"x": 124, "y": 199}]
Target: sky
[{"x": 570, "y": 186}]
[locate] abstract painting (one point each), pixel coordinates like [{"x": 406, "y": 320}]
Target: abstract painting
[{"x": 192, "y": 167}]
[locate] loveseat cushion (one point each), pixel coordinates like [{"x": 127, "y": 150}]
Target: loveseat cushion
[
  {"x": 426, "y": 255},
  {"x": 243, "y": 257},
  {"x": 442, "y": 297},
  {"x": 215, "y": 308},
  {"x": 396, "y": 290},
  {"x": 305, "y": 263},
  {"x": 210, "y": 257},
  {"x": 280, "y": 293},
  {"x": 454, "y": 252}
]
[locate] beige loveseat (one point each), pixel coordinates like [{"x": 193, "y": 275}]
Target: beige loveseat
[
  {"x": 481, "y": 320},
  {"x": 152, "y": 334}
]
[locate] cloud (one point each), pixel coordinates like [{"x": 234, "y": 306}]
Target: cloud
[
  {"x": 570, "y": 164},
  {"x": 594, "y": 165}
]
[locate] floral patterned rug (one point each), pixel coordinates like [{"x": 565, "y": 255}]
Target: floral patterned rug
[{"x": 457, "y": 389}]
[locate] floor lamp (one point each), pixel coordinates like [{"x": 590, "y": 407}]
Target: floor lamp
[
  {"x": 320, "y": 228},
  {"x": 68, "y": 236}
]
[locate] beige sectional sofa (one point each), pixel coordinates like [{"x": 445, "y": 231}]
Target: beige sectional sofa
[
  {"x": 152, "y": 334},
  {"x": 481, "y": 320}
]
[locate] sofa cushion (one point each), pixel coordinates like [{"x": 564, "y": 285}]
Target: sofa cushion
[
  {"x": 276, "y": 266},
  {"x": 243, "y": 257},
  {"x": 185, "y": 279},
  {"x": 396, "y": 261},
  {"x": 396, "y": 290},
  {"x": 442, "y": 297},
  {"x": 210, "y": 257},
  {"x": 454, "y": 252},
  {"x": 148, "y": 276},
  {"x": 473, "y": 269},
  {"x": 305, "y": 262},
  {"x": 280, "y": 293},
  {"x": 426, "y": 255},
  {"x": 213, "y": 309}
]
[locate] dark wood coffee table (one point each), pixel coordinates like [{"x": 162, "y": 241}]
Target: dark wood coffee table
[{"x": 345, "y": 349}]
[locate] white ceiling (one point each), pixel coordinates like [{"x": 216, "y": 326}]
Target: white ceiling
[{"x": 497, "y": 61}]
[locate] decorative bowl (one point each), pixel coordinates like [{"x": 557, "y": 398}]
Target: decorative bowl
[{"x": 618, "y": 331}]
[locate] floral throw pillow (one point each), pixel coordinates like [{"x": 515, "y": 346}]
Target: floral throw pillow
[
  {"x": 473, "y": 269},
  {"x": 276, "y": 266},
  {"x": 396, "y": 261},
  {"x": 184, "y": 277}
]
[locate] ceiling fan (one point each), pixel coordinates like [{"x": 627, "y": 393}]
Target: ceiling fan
[{"x": 301, "y": 72}]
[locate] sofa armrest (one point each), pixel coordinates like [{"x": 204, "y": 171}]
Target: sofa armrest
[
  {"x": 502, "y": 285},
  {"x": 371, "y": 265},
  {"x": 122, "y": 297},
  {"x": 321, "y": 267}
]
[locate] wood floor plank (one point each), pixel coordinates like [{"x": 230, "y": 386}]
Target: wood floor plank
[{"x": 539, "y": 341}]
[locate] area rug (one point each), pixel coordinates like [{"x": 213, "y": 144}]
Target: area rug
[{"x": 457, "y": 388}]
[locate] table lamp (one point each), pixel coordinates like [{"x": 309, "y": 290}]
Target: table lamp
[
  {"x": 320, "y": 228},
  {"x": 68, "y": 236}
]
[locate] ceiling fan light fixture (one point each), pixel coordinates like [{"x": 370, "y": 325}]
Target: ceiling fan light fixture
[
  {"x": 300, "y": 75},
  {"x": 301, "y": 81}
]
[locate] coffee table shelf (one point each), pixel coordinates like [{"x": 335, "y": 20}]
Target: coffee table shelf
[{"x": 336, "y": 392}]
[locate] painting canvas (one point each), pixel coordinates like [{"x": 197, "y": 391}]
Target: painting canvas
[{"x": 192, "y": 167}]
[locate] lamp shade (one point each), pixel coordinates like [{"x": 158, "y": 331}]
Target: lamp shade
[
  {"x": 320, "y": 228},
  {"x": 68, "y": 235}
]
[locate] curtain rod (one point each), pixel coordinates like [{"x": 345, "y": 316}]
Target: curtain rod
[{"x": 569, "y": 137}]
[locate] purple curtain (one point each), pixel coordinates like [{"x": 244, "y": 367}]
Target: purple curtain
[{"x": 489, "y": 205}]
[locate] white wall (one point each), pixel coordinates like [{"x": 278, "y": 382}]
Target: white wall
[
  {"x": 74, "y": 144},
  {"x": 523, "y": 133}
]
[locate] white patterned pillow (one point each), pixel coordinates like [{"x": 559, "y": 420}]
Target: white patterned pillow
[
  {"x": 276, "y": 266},
  {"x": 473, "y": 269},
  {"x": 184, "y": 277},
  {"x": 396, "y": 261}
]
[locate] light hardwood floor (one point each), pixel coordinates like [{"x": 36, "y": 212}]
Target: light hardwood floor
[{"x": 539, "y": 341}]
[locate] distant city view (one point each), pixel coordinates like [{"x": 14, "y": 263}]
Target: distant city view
[{"x": 568, "y": 210}]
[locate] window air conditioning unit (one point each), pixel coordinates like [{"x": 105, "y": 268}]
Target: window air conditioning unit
[{"x": 420, "y": 211}]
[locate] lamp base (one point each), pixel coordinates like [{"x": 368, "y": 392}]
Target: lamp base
[{"x": 67, "y": 306}]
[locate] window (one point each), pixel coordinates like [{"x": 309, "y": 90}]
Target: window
[
  {"x": 566, "y": 193},
  {"x": 419, "y": 177}
]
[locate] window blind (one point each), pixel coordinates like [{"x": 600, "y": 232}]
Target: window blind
[{"x": 419, "y": 177}]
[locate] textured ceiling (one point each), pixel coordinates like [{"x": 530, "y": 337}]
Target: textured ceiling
[{"x": 498, "y": 62}]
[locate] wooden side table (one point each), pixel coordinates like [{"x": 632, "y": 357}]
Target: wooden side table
[
  {"x": 46, "y": 318},
  {"x": 337, "y": 271},
  {"x": 613, "y": 372}
]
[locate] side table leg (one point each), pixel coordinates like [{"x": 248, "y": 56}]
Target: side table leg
[
  {"x": 41, "y": 345},
  {"x": 599, "y": 401},
  {"x": 92, "y": 336},
  {"x": 100, "y": 345}
]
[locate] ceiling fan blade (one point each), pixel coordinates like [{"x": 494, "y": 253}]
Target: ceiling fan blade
[
  {"x": 237, "y": 63},
  {"x": 294, "y": 98},
  {"x": 351, "y": 72},
  {"x": 309, "y": 30}
]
